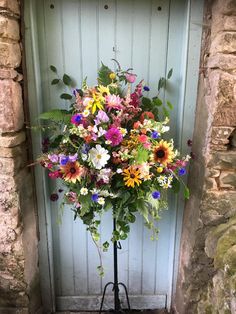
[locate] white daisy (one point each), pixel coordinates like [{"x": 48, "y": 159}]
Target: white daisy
[
  {"x": 84, "y": 191},
  {"x": 98, "y": 156}
]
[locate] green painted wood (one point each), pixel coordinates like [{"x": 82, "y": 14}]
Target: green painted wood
[{"x": 75, "y": 36}]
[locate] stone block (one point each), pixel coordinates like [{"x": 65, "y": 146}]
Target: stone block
[
  {"x": 214, "y": 235},
  {"x": 224, "y": 202},
  {"x": 230, "y": 23},
  {"x": 228, "y": 179},
  {"x": 222, "y": 61},
  {"x": 227, "y": 7},
  {"x": 212, "y": 218},
  {"x": 10, "y": 166},
  {"x": 12, "y": 140},
  {"x": 11, "y": 5},
  {"x": 9, "y": 28},
  {"x": 11, "y": 151},
  {"x": 224, "y": 42},
  {"x": 229, "y": 260},
  {"x": 210, "y": 184},
  {"x": 11, "y": 107},
  {"x": 222, "y": 160},
  {"x": 220, "y": 135},
  {"x": 213, "y": 173},
  {"x": 10, "y": 55},
  {"x": 225, "y": 242}
]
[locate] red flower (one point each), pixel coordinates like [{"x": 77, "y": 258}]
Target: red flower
[{"x": 147, "y": 115}]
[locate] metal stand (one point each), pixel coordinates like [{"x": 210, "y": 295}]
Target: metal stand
[{"x": 115, "y": 284}]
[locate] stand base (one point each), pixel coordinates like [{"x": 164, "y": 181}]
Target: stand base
[{"x": 117, "y": 300}]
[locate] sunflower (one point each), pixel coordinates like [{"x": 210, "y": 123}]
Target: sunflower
[
  {"x": 103, "y": 90},
  {"x": 163, "y": 153},
  {"x": 131, "y": 176},
  {"x": 72, "y": 172}
]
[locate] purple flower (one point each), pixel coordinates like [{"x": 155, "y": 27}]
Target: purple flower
[
  {"x": 114, "y": 135},
  {"x": 63, "y": 159},
  {"x": 146, "y": 88},
  {"x": 53, "y": 158},
  {"x": 76, "y": 119},
  {"x": 73, "y": 158},
  {"x": 155, "y": 135},
  {"x": 94, "y": 197},
  {"x": 182, "y": 171},
  {"x": 54, "y": 197},
  {"x": 156, "y": 194},
  {"x": 101, "y": 117}
]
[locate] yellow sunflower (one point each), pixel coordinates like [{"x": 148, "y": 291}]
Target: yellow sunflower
[
  {"x": 72, "y": 172},
  {"x": 163, "y": 153},
  {"x": 103, "y": 90},
  {"x": 131, "y": 176}
]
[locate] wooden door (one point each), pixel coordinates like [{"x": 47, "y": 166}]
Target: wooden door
[{"x": 151, "y": 36}]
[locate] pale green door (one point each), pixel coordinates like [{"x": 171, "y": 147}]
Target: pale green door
[{"x": 151, "y": 36}]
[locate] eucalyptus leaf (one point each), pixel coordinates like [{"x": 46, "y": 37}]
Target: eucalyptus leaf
[
  {"x": 67, "y": 80},
  {"x": 186, "y": 192},
  {"x": 65, "y": 96},
  {"x": 169, "y": 104},
  {"x": 157, "y": 101},
  {"x": 146, "y": 101},
  {"x": 55, "y": 81},
  {"x": 169, "y": 74},
  {"x": 53, "y": 68},
  {"x": 56, "y": 115}
]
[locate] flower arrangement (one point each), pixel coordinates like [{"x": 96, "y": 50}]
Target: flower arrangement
[{"x": 109, "y": 152}]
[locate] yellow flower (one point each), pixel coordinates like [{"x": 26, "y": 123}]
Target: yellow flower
[
  {"x": 163, "y": 153},
  {"x": 103, "y": 90},
  {"x": 98, "y": 101},
  {"x": 159, "y": 169},
  {"x": 131, "y": 176},
  {"x": 112, "y": 75}
]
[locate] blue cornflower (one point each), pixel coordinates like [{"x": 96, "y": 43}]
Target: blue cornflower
[
  {"x": 146, "y": 88},
  {"x": 182, "y": 171},
  {"x": 156, "y": 194},
  {"x": 85, "y": 149},
  {"x": 94, "y": 197},
  {"x": 155, "y": 135},
  {"x": 64, "y": 160}
]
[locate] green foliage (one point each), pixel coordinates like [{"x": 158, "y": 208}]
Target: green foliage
[
  {"x": 53, "y": 68},
  {"x": 67, "y": 80},
  {"x": 169, "y": 74},
  {"x": 103, "y": 75},
  {"x": 142, "y": 155},
  {"x": 55, "y": 81},
  {"x": 56, "y": 115},
  {"x": 66, "y": 96}
]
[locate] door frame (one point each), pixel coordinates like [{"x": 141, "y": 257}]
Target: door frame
[{"x": 188, "y": 95}]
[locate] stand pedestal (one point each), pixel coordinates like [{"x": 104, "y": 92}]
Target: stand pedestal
[{"x": 115, "y": 284}]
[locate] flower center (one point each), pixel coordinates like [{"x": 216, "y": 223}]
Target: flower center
[
  {"x": 99, "y": 156},
  {"x": 132, "y": 176},
  {"x": 72, "y": 170},
  {"x": 160, "y": 153}
]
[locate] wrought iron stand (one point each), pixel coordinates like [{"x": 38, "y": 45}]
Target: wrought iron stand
[{"x": 115, "y": 284}]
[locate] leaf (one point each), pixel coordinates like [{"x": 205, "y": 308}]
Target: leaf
[
  {"x": 186, "y": 192},
  {"x": 55, "y": 81},
  {"x": 169, "y": 74},
  {"x": 142, "y": 155},
  {"x": 157, "y": 101},
  {"x": 153, "y": 202},
  {"x": 175, "y": 185},
  {"x": 55, "y": 115},
  {"x": 65, "y": 96},
  {"x": 146, "y": 101},
  {"x": 53, "y": 68},
  {"x": 84, "y": 83},
  {"x": 103, "y": 75},
  {"x": 67, "y": 80},
  {"x": 169, "y": 104},
  {"x": 161, "y": 83},
  {"x": 142, "y": 208},
  {"x": 166, "y": 112}
]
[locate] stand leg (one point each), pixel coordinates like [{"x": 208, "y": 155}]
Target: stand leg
[{"x": 116, "y": 284}]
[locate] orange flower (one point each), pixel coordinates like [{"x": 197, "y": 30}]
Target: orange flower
[
  {"x": 72, "y": 172},
  {"x": 147, "y": 115},
  {"x": 132, "y": 176}
]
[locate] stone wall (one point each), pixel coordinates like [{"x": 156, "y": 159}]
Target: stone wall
[
  {"x": 19, "y": 284},
  {"x": 207, "y": 272}
]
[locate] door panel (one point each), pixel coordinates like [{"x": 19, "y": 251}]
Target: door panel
[{"x": 151, "y": 36}]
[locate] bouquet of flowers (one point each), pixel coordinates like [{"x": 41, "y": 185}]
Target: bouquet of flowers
[{"x": 108, "y": 151}]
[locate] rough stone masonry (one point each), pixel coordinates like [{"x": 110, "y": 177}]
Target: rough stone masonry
[
  {"x": 207, "y": 272},
  {"x": 19, "y": 278}
]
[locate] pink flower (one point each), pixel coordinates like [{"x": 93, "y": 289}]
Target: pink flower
[
  {"x": 143, "y": 138},
  {"x": 55, "y": 174},
  {"x": 114, "y": 102},
  {"x": 101, "y": 117},
  {"x": 114, "y": 135},
  {"x": 130, "y": 77}
]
